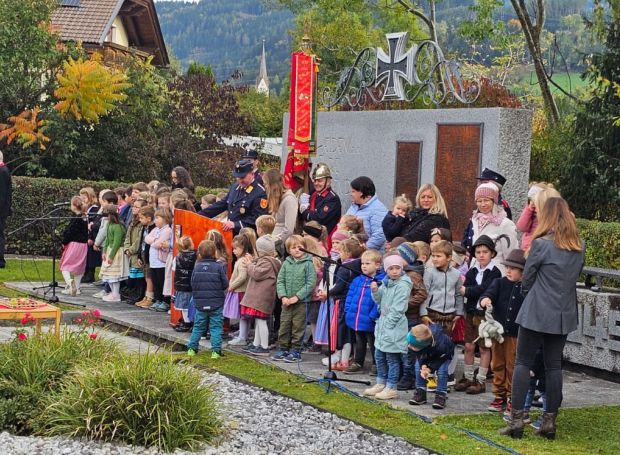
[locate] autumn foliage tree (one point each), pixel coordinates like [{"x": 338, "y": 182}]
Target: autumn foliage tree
[{"x": 88, "y": 90}]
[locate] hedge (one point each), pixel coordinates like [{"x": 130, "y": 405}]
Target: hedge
[{"x": 35, "y": 197}]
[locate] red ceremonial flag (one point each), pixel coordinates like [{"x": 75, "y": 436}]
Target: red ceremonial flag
[{"x": 302, "y": 118}]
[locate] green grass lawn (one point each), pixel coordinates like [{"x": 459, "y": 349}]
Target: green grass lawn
[
  {"x": 590, "y": 430},
  {"x": 30, "y": 270}
]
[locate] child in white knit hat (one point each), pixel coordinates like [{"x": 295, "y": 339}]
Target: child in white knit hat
[{"x": 392, "y": 299}]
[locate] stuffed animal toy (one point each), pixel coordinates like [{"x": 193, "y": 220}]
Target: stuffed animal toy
[{"x": 490, "y": 329}]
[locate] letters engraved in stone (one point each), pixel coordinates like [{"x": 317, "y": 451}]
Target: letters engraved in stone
[
  {"x": 613, "y": 327},
  {"x": 395, "y": 67}
]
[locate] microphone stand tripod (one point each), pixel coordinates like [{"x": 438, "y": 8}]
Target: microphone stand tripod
[
  {"x": 51, "y": 287},
  {"x": 330, "y": 375}
]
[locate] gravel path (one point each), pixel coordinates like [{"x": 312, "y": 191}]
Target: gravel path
[{"x": 258, "y": 422}]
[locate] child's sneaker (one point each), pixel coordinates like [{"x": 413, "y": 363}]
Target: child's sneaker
[
  {"x": 451, "y": 380},
  {"x": 250, "y": 348},
  {"x": 372, "y": 391},
  {"x": 279, "y": 356},
  {"x": 497, "y": 405},
  {"x": 387, "y": 394},
  {"x": 536, "y": 423},
  {"x": 237, "y": 341},
  {"x": 155, "y": 307},
  {"x": 191, "y": 352},
  {"x": 419, "y": 397},
  {"x": 440, "y": 401},
  {"x": 144, "y": 303},
  {"x": 293, "y": 357},
  {"x": 260, "y": 351},
  {"x": 99, "y": 294},
  {"x": 335, "y": 359},
  {"x": 163, "y": 308},
  {"x": 111, "y": 298},
  {"x": 215, "y": 355},
  {"x": 431, "y": 384}
]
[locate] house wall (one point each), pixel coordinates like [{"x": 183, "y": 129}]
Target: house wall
[{"x": 120, "y": 34}]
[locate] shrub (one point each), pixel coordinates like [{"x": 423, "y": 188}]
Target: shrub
[
  {"x": 34, "y": 197},
  {"x": 602, "y": 243},
  {"x": 31, "y": 368},
  {"x": 140, "y": 400}
]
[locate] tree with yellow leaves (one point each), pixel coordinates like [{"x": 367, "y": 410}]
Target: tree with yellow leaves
[
  {"x": 25, "y": 129},
  {"x": 87, "y": 90}
]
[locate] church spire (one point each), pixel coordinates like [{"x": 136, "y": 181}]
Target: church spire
[{"x": 262, "y": 81}]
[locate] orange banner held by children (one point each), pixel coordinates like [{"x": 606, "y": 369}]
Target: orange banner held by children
[{"x": 196, "y": 227}]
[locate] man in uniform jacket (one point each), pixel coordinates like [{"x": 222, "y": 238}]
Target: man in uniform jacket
[{"x": 246, "y": 200}]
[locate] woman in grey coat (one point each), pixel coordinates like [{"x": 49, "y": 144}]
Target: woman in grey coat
[{"x": 549, "y": 311}]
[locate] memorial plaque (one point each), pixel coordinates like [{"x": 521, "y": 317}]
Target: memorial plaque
[
  {"x": 456, "y": 168},
  {"x": 407, "y": 169}
]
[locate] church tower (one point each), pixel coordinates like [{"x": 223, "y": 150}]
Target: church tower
[{"x": 262, "y": 81}]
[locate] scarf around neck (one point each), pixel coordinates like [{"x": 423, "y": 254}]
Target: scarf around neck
[{"x": 484, "y": 220}]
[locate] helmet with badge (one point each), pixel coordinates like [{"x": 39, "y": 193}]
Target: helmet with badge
[{"x": 321, "y": 171}]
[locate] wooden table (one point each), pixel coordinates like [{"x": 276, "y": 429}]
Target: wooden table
[{"x": 43, "y": 312}]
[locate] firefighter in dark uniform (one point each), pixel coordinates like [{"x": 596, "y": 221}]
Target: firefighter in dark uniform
[
  {"x": 487, "y": 175},
  {"x": 323, "y": 205},
  {"x": 246, "y": 200},
  {"x": 252, "y": 155}
]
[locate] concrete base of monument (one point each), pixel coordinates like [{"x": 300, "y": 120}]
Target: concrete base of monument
[{"x": 580, "y": 389}]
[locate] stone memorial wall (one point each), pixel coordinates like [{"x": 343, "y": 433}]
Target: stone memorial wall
[{"x": 400, "y": 150}]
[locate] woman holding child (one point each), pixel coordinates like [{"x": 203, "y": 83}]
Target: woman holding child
[
  {"x": 282, "y": 204},
  {"x": 549, "y": 311},
  {"x": 429, "y": 213}
]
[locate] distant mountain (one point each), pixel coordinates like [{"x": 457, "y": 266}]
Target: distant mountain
[{"x": 228, "y": 35}]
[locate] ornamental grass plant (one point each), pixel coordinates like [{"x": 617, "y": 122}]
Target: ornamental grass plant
[
  {"x": 31, "y": 366},
  {"x": 143, "y": 400}
]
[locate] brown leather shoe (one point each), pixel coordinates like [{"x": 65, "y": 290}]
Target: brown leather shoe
[
  {"x": 476, "y": 387},
  {"x": 462, "y": 385}
]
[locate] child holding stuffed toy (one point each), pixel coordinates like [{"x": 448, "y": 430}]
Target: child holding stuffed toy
[
  {"x": 477, "y": 280},
  {"x": 504, "y": 295}
]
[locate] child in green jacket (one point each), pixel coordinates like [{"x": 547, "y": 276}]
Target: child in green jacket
[
  {"x": 296, "y": 282},
  {"x": 392, "y": 298}
]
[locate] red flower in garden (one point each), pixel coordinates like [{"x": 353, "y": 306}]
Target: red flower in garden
[
  {"x": 21, "y": 336},
  {"x": 96, "y": 313},
  {"x": 24, "y": 321},
  {"x": 93, "y": 336},
  {"x": 84, "y": 313}
]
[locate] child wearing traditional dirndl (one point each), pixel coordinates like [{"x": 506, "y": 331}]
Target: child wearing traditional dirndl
[
  {"x": 242, "y": 247},
  {"x": 74, "y": 238},
  {"x": 115, "y": 266}
]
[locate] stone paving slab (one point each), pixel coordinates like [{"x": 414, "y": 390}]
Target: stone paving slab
[{"x": 580, "y": 389}]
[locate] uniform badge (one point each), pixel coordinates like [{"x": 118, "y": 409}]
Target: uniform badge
[
  {"x": 249, "y": 189},
  {"x": 326, "y": 209},
  {"x": 242, "y": 210},
  {"x": 263, "y": 203}
]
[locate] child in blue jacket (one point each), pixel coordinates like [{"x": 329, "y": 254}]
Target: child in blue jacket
[
  {"x": 209, "y": 285},
  {"x": 361, "y": 310}
]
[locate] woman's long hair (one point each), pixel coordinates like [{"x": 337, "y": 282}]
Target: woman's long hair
[
  {"x": 439, "y": 206},
  {"x": 275, "y": 188},
  {"x": 556, "y": 218},
  {"x": 183, "y": 178}
]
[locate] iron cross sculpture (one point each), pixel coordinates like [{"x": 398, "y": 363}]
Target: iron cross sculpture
[
  {"x": 397, "y": 67},
  {"x": 421, "y": 72}
]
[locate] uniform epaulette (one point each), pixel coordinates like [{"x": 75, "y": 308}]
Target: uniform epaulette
[{"x": 260, "y": 186}]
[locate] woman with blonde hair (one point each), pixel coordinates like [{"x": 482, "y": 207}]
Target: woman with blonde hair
[
  {"x": 281, "y": 203},
  {"x": 549, "y": 311},
  {"x": 430, "y": 212}
]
